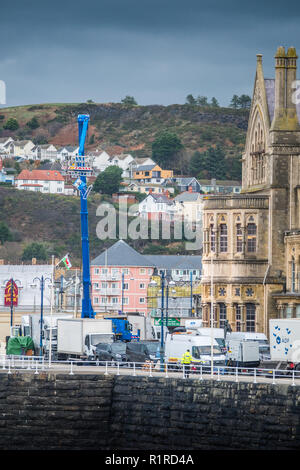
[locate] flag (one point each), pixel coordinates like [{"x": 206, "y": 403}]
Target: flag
[{"x": 66, "y": 261}]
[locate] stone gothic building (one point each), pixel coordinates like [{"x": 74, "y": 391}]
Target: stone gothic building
[{"x": 251, "y": 246}]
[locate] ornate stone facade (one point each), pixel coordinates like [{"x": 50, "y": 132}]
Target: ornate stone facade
[{"x": 251, "y": 246}]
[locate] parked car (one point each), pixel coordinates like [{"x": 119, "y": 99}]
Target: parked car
[
  {"x": 103, "y": 352},
  {"x": 142, "y": 351},
  {"x": 118, "y": 351}
]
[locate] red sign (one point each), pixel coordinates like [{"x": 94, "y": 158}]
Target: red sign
[{"x": 7, "y": 294}]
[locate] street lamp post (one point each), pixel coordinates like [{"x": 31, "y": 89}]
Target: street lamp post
[
  {"x": 163, "y": 282},
  {"x": 42, "y": 281}
]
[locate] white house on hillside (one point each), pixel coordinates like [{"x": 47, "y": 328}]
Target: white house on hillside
[
  {"x": 157, "y": 207},
  {"x": 100, "y": 160},
  {"x": 44, "y": 152},
  {"x": 45, "y": 181},
  {"x": 6, "y": 146},
  {"x": 23, "y": 148},
  {"x": 67, "y": 153}
]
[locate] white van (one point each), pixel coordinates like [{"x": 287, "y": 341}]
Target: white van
[
  {"x": 200, "y": 348},
  {"x": 218, "y": 335}
]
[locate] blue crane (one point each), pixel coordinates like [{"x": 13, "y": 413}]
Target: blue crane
[{"x": 82, "y": 171}]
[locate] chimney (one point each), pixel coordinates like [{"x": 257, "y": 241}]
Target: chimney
[
  {"x": 1, "y": 262},
  {"x": 33, "y": 261},
  {"x": 190, "y": 189},
  {"x": 285, "y": 115},
  {"x": 291, "y": 77},
  {"x": 150, "y": 191}
]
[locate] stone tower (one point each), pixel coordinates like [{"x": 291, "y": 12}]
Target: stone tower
[{"x": 246, "y": 236}]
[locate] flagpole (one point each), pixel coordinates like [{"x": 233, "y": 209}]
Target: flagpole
[
  {"x": 51, "y": 310},
  {"x": 75, "y": 299}
]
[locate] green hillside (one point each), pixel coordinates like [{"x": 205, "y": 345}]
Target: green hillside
[
  {"x": 121, "y": 128},
  {"x": 54, "y": 221}
]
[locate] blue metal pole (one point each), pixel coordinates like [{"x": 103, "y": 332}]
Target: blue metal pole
[
  {"x": 122, "y": 293},
  {"x": 42, "y": 302},
  {"x": 191, "y": 282},
  {"x": 11, "y": 303},
  {"x": 162, "y": 322},
  {"x": 87, "y": 309}
]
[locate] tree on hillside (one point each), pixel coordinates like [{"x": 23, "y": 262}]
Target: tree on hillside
[
  {"x": 165, "y": 147},
  {"x": 191, "y": 100},
  {"x": 202, "y": 100},
  {"x": 35, "y": 250},
  {"x": 33, "y": 123},
  {"x": 5, "y": 233},
  {"x": 234, "y": 103},
  {"x": 108, "y": 182},
  {"x": 209, "y": 164},
  {"x": 11, "y": 124},
  {"x": 129, "y": 100},
  {"x": 243, "y": 101},
  {"x": 214, "y": 102}
]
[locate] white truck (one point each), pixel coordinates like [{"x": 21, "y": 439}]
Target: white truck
[
  {"x": 78, "y": 337},
  {"x": 260, "y": 338},
  {"x": 31, "y": 326},
  {"x": 242, "y": 353},
  {"x": 285, "y": 341},
  {"x": 200, "y": 348}
]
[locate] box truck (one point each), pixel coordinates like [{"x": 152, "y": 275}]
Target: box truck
[
  {"x": 78, "y": 337},
  {"x": 200, "y": 348},
  {"x": 31, "y": 326},
  {"x": 285, "y": 341},
  {"x": 242, "y": 353},
  {"x": 260, "y": 338}
]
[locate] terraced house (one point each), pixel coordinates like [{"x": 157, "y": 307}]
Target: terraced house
[{"x": 251, "y": 243}]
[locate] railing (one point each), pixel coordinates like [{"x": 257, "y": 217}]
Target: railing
[{"x": 39, "y": 364}]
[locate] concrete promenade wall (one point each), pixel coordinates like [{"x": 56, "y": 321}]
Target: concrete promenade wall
[{"x": 61, "y": 411}]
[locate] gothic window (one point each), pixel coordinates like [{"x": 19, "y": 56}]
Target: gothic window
[
  {"x": 251, "y": 237},
  {"x": 237, "y": 291},
  {"x": 250, "y": 317},
  {"x": 212, "y": 238},
  {"x": 239, "y": 238},
  {"x": 223, "y": 238},
  {"x": 257, "y": 153}
]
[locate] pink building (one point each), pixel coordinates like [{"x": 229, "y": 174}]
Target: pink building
[{"x": 120, "y": 263}]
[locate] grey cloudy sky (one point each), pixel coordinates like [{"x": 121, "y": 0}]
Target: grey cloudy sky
[{"x": 156, "y": 50}]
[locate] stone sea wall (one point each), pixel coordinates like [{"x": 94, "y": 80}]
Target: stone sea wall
[{"x": 61, "y": 411}]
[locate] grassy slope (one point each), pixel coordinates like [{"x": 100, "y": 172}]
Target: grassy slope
[
  {"x": 55, "y": 221},
  {"x": 133, "y": 129}
]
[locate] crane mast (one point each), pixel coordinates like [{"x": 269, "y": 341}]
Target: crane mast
[{"x": 81, "y": 171}]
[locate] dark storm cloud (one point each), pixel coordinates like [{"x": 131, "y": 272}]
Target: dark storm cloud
[{"x": 158, "y": 50}]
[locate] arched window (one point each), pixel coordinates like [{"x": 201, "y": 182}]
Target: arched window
[
  {"x": 251, "y": 237},
  {"x": 250, "y": 317},
  {"x": 239, "y": 238},
  {"x": 223, "y": 238},
  {"x": 212, "y": 238}
]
